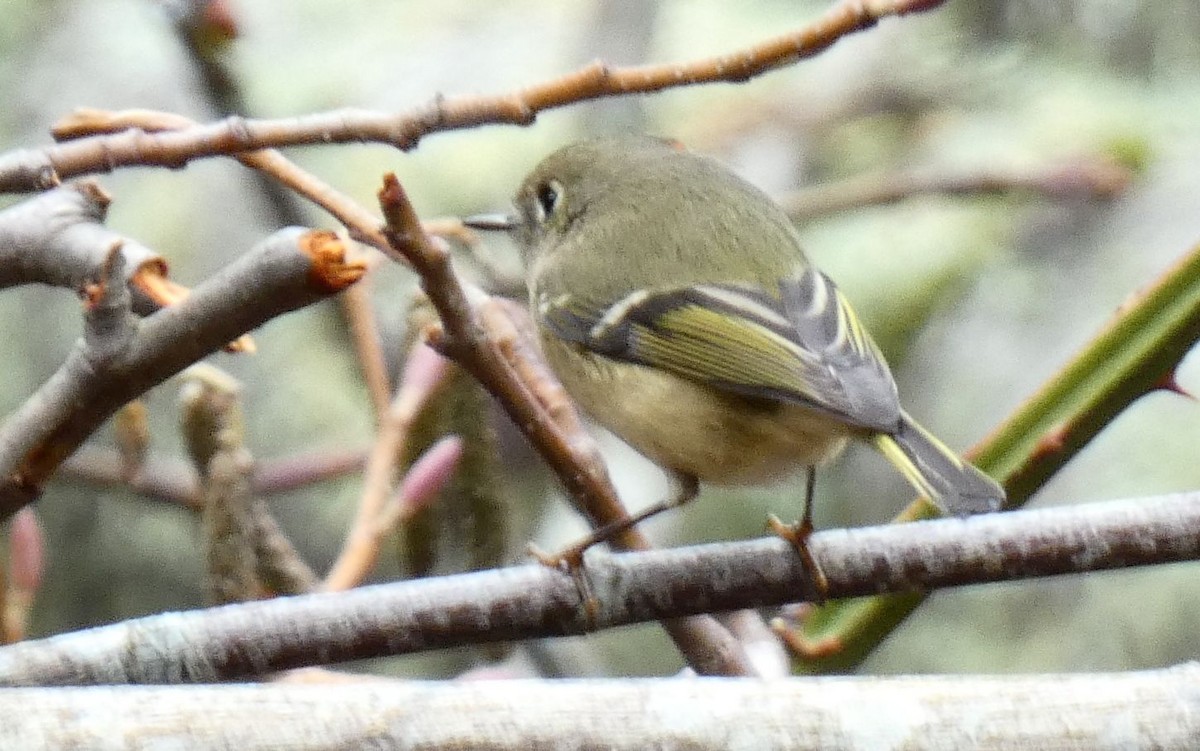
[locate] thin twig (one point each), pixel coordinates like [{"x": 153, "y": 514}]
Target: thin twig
[
  {"x": 360, "y": 551},
  {"x": 368, "y": 345},
  {"x": 38, "y": 169},
  {"x": 286, "y": 473},
  {"x": 1091, "y": 179},
  {"x": 279, "y": 173},
  {"x": 22, "y": 576}
]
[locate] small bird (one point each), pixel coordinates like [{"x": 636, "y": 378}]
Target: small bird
[{"x": 676, "y": 305}]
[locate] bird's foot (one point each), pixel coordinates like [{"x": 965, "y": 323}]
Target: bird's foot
[{"x": 797, "y": 534}]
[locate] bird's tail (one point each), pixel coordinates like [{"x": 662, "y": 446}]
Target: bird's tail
[{"x": 938, "y": 473}]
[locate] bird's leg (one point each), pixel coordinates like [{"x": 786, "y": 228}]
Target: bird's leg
[
  {"x": 797, "y": 534},
  {"x": 572, "y": 557}
]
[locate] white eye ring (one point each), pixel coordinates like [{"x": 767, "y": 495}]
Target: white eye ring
[{"x": 548, "y": 197}]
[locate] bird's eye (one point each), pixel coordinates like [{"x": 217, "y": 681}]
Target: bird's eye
[{"x": 548, "y": 196}]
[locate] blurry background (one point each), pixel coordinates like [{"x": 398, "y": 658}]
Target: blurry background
[{"x": 975, "y": 300}]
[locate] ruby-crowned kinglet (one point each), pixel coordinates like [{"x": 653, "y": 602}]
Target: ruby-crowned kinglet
[{"x": 675, "y": 304}]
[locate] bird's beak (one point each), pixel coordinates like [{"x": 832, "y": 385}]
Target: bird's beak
[{"x": 492, "y": 222}]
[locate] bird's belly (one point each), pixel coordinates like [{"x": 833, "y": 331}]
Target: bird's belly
[{"x": 694, "y": 429}]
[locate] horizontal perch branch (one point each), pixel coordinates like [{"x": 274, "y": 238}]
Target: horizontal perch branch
[{"x": 533, "y": 601}]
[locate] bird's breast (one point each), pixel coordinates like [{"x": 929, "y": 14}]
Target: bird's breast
[{"x": 691, "y": 428}]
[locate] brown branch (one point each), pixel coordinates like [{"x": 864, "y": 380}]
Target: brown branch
[
  {"x": 488, "y": 344},
  {"x": 368, "y": 345},
  {"x": 287, "y": 473},
  {"x": 1087, "y": 179},
  {"x": 288, "y": 270},
  {"x": 161, "y": 478},
  {"x": 362, "y": 224},
  {"x": 509, "y": 330},
  {"x": 534, "y": 601},
  {"x": 38, "y": 169}
]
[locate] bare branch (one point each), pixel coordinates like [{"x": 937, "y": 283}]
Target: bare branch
[
  {"x": 57, "y": 239},
  {"x": 288, "y": 270},
  {"x": 360, "y": 551},
  {"x": 1094, "y": 179},
  {"x": 284, "y": 473},
  {"x": 27, "y": 170},
  {"x": 534, "y": 601}
]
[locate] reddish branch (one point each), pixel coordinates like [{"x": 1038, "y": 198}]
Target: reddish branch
[{"x": 26, "y": 562}]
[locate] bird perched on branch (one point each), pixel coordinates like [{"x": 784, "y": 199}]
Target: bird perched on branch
[{"x": 676, "y": 305}]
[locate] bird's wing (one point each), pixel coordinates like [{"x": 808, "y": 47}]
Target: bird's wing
[{"x": 800, "y": 343}]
